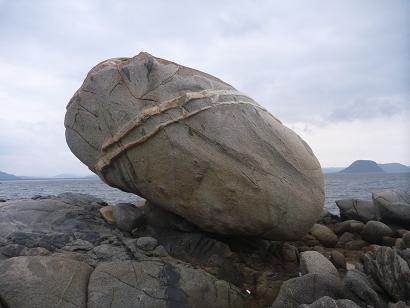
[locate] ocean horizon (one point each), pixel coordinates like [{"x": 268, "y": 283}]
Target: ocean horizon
[{"x": 337, "y": 186}]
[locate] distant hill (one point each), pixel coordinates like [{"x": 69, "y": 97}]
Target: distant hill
[
  {"x": 7, "y": 176},
  {"x": 394, "y": 168},
  {"x": 363, "y": 166},
  {"x": 331, "y": 169}
]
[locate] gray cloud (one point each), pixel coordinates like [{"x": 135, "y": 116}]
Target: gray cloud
[{"x": 312, "y": 62}]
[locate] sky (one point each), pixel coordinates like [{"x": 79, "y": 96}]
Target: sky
[{"x": 336, "y": 72}]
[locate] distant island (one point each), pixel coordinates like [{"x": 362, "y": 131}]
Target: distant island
[
  {"x": 365, "y": 166},
  {"x": 10, "y": 177},
  {"x": 370, "y": 166},
  {"x": 358, "y": 166},
  {"x": 362, "y": 166}
]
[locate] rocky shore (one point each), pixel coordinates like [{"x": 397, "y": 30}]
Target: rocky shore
[{"x": 75, "y": 250}]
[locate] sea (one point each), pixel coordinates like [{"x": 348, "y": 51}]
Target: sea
[{"x": 337, "y": 186}]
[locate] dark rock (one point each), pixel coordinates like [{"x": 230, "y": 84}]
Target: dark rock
[
  {"x": 307, "y": 289},
  {"x": 356, "y": 245},
  {"x": 88, "y": 202},
  {"x": 347, "y": 237},
  {"x": 389, "y": 271},
  {"x": 338, "y": 259},
  {"x": 314, "y": 262},
  {"x": 161, "y": 218},
  {"x": 356, "y": 209},
  {"x": 107, "y": 252},
  {"x": 393, "y": 206},
  {"x": 388, "y": 241},
  {"x": 127, "y": 216},
  {"x": 147, "y": 243},
  {"x": 106, "y": 213},
  {"x": 154, "y": 283},
  {"x": 399, "y": 304},
  {"x": 374, "y": 231},
  {"x": 78, "y": 245},
  {"x": 324, "y": 235},
  {"x": 401, "y": 232},
  {"x": 16, "y": 250},
  {"x": 327, "y": 218},
  {"x": 53, "y": 225},
  {"x": 27, "y": 282},
  {"x": 359, "y": 290},
  {"x": 406, "y": 240},
  {"x": 319, "y": 249},
  {"x": 290, "y": 253},
  {"x": 353, "y": 226},
  {"x": 328, "y": 302},
  {"x": 399, "y": 243},
  {"x": 310, "y": 240},
  {"x": 159, "y": 251}
]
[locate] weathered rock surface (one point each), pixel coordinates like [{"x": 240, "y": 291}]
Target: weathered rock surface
[
  {"x": 338, "y": 259},
  {"x": 349, "y": 226},
  {"x": 325, "y": 235},
  {"x": 314, "y": 262},
  {"x": 307, "y": 289},
  {"x": 192, "y": 144},
  {"x": 65, "y": 223},
  {"x": 127, "y": 216},
  {"x": 328, "y": 302},
  {"x": 70, "y": 227},
  {"x": 27, "y": 282},
  {"x": 356, "y": 209},
  {"x": 389, "y": 271},
  {"x": 106, "y": 213},
  {"x": 393, "y": 206},
  {"x": 359, "y": 289},
  {"x": 155, "y": 283},
  {"x": 374, "y": 231}
]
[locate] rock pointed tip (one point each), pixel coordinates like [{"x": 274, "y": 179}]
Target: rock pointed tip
[{"x": 144, "y": 55}]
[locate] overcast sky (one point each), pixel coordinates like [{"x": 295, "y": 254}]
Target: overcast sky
[{"x": 337, "y": 72}]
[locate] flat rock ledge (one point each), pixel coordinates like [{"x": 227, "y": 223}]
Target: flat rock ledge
[{"x": 71, "y": 251}]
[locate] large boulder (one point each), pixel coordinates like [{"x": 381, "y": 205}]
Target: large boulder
[
  {"x": 389, "y": 271},
  {"x": 356, "y": 209},
  {"x": 156, "y": 284},
  {"x": 27, "y": 282},
  {"x": 393, "y": 206},
  {"x": 359, "y": 289},
  {"x": 307, "y": 289},
  {"x": 192, "y": 144},
  {"x": 374, "y": 231}
]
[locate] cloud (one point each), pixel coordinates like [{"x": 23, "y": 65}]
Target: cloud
[
  {"x": 322, "y": 63},
  {"x": 338, "y": 144}
]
